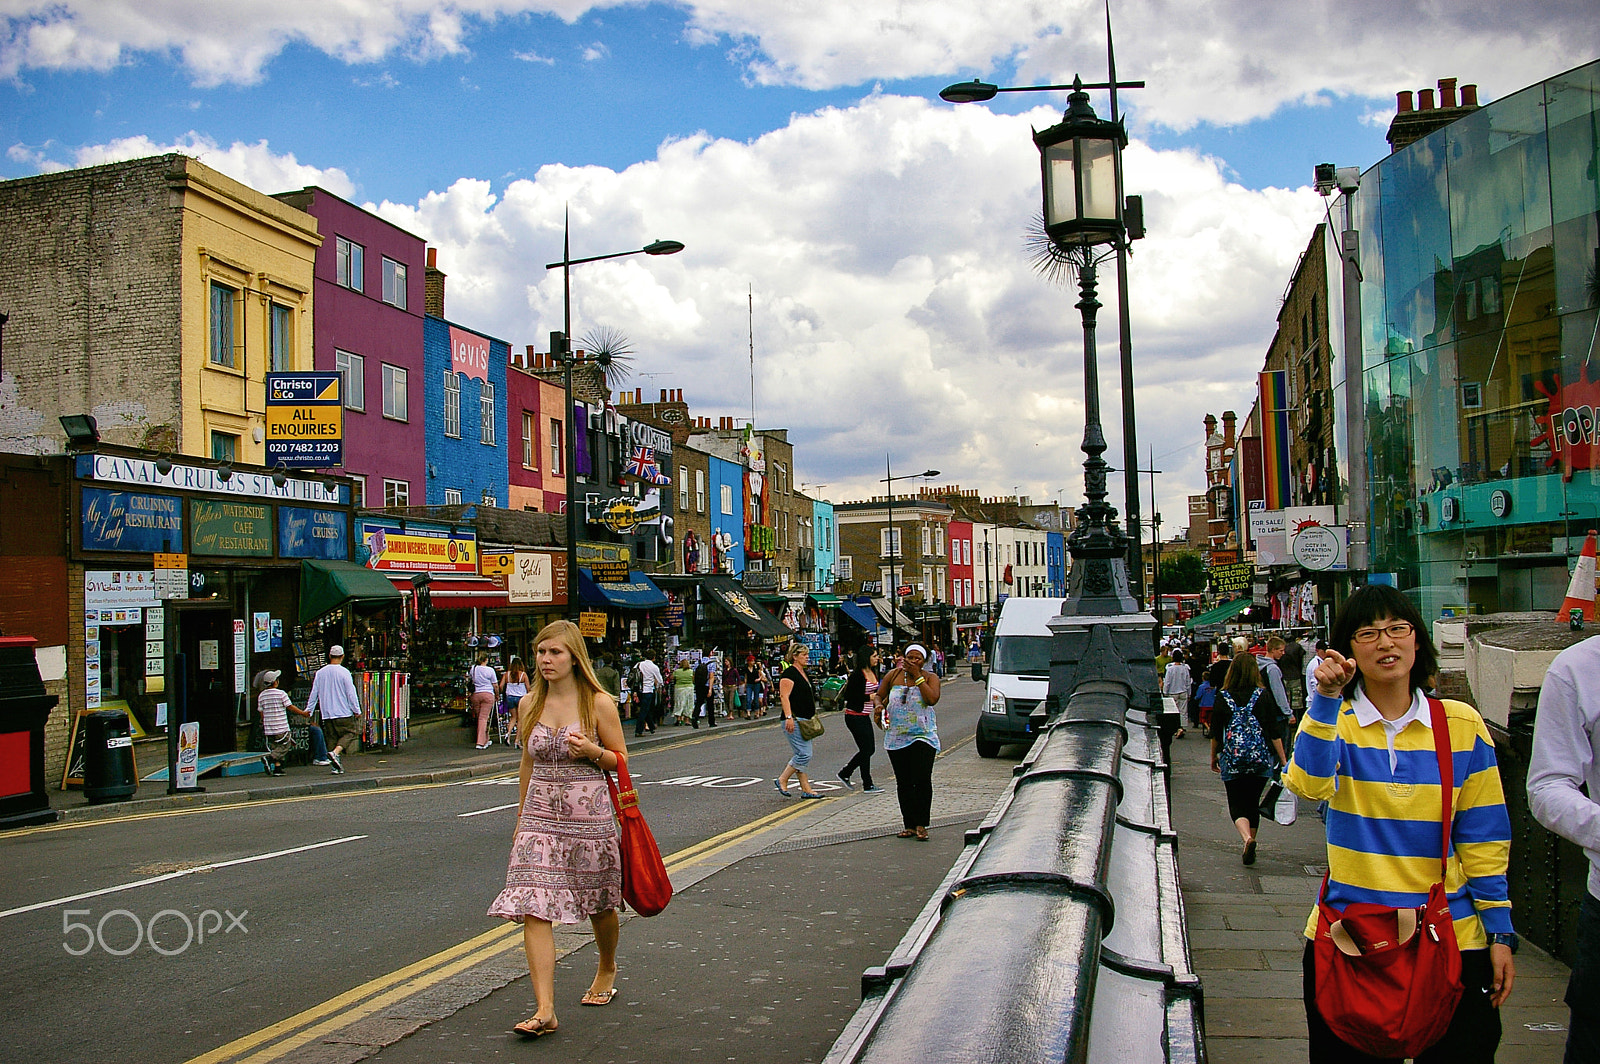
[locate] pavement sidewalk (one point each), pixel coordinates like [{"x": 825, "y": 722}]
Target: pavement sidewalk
[{"x": 1247, "y": 930}]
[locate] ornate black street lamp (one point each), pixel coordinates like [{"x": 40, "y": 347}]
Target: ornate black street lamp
[{"x": 561, "y": 348}]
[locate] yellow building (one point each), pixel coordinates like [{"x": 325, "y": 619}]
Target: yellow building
[{"x": 155, "y": 295}]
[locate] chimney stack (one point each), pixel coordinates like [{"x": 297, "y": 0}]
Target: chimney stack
[
  {"x": 1469, "y": 96},
  {"x": 1425, "y": 99},
  {"x": 1403, "y": 102},
  {"x": 433, "y": 286},
  {"x": 1412, "y": 124}
]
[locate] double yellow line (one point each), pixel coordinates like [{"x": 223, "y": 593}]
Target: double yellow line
[{"x": 283, "y": 1038}]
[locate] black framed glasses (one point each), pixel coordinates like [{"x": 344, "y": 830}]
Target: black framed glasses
[{"x": 1397, "y": 630}]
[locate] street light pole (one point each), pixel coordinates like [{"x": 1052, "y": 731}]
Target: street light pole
[
  {"x": 561, "y": 348},
  {"x": 892, "y": 547}
]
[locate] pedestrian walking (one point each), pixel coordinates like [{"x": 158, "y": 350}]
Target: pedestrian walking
[
  {"x": 705, "y": 686},
  {"x": 275, "y": 707},
  {"x": 1272, "y": 677},
  {"x": 610, "y": 679},
  {"x": 857, "y": 697},
  {"x": 682, "y": 691},
  {"x": 905, "y": 699},
  {"x": 732, "y": 684},
  {"x": 513, "y": 685},
  {"x": 1206, "y": 694},
  {"x": 1367, "y": 747},
  {"x": 1175, "y": 684},
  {"x": 481, "y": 683},
  {"x": 333, "y": 691},
  {"x": 1246, "y": 745},
  {"x": 799, "y": 702},
  {"x": 1564, "y": 793},
  {"x": 566, "y": 863},
  {"x": 652, "y": 688},
  {"x": 1311, "y": 672}
]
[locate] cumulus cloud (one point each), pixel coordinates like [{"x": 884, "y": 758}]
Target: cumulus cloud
[
  {"x": 1217, "y": 62},
  {"x": 255, "y": 165},
  {"x": 895, "y": 310}
]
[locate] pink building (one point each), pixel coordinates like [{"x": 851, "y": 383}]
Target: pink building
[
  {"x": 960, "y": 591},
  {"x": 535, "y": 425}
]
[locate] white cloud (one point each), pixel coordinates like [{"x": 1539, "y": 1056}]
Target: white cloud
[
  {"x": 894, "y": 306},
  {"x": 530, "y": 56},
  {"x": 1219, "y": 62},
  {"x": 596, "y": 51},
  {"x": 255, "y": 164}
]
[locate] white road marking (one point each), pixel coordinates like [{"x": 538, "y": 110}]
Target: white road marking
[
  {"x": 177, "y": 875},
  {"x": 493, "y": 809}
]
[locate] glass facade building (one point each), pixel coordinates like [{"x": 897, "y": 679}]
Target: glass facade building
[{"x": 1479, "y": 304}]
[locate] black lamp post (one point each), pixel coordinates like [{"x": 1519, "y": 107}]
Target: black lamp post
[
  {"x": 894, "y": 578},
  {"x": 561, "y": 348}
]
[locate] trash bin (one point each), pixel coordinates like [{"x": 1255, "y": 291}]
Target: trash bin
[
  {"x": 977, "y": 671},
  {"x": 108, "y": 774}
]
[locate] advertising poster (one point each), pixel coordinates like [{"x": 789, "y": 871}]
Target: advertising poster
[
  {"x": 188, "y": 754},
  {"x": 261, "y": 627},
  {"x": 305, "y": 420},
  {"x": 416, "y": 548}
]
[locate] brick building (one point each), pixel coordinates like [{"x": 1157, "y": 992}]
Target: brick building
[{"x": 536, "y": 429}]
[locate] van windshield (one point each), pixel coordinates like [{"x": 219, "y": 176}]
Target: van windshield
[{"x": 1025, "y": 655}]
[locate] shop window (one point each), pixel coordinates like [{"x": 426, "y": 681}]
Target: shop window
[
  {"x": 349, "y": 264},
  {"x": 223, "y": 337},
  {"x": 354, "y": 368}
]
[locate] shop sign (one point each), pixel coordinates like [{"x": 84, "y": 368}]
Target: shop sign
[
  {"x": 1231, "y": 579},
  {"x": 623, "y": 514},
  {"x": 532, "y": 579},
  {"x": 305, "y": 420},
  {"x": 388, "y": 546},
  {"x": 140, "y": 473},
  {"x": 609, "y": 562},
  {"x": 130, "y": 521},
  {"x": 103, "y": 589},
  {"x": 761, "y": 580},
  {"x": 469, "y": 354},
  {"x": 674, "y": 613},
  {"x": 643, "y": 435},
  {"x": 236, "y": 529},
  {"x": 1315, "y": 541},
  {"x": 496, "y": 565},
  {"x": 172, "y": 576},
  {"x": 306, "y": 533},
  {"x": 592, "y": 625}
]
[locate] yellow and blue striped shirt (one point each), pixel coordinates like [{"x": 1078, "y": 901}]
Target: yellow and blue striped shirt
[{"x": 1383, "y": 822}]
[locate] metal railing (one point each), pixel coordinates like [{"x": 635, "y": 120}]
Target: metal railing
[{"x": 1058, "y": 934}]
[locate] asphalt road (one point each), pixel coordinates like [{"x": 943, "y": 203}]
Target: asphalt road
[{"x": 326, "y": 905}]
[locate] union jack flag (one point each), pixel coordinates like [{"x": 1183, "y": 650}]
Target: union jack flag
[{"x": 643, "y": 465}]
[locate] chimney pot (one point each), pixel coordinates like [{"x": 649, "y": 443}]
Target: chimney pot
[
  {"x": 1469, "y": 96},
  {"x": 1425, "y": 100},
  {"x": 1403, "y": 101},
  {"x": 663, "y": 395},
  {"x": 1447, "y": 92},
  {"x": 433, "y": 258}
]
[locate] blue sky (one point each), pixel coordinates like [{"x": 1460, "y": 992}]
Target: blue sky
[{"x": 802, "y": 155}]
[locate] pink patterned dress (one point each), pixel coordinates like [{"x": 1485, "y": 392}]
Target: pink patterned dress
[{"x": 565, "y": 861}]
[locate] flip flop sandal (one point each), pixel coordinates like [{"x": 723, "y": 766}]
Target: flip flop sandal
[
  {"x": 922, "y": 834},
  {"x": 908, "y": 833},
  {"x": 534, "y": 1028},
  {"x": 598, "y": 998}
]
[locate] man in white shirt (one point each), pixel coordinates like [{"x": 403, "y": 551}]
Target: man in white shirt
[
  {"x": 650, "y": 683},
  {"x": 1564, "y": 765},
  {"x": 1175, "y": 684},
  {"x": 334, "y": 692}
]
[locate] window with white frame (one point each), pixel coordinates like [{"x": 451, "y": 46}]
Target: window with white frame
[
  {"x": 889, "y": 542},
  {"x": 938, "y": 540},
  {"x": 358, "y": 490},
  {"x": 486, "y": 412},
  {"x": 938, "y": 580},
  {"x": 349, "y": 264},
  {"x": 555, "y": 447},
  {"x": 394, "y": 283},
  {"x": 699, "y": 491},
  {"x": 927, "y": 541},
  {"x": 394, "y": 392},
  {"x": 489, "y": 498},
  {"x": 397, "y": 493},
  {"x": 842, "y": 567},
  {"x": 354, "y": 368},
  {"x": 683, "y": 489},
  {"x": 452, "y": 496},
  {"x": 727, "y": 499},
  {"x": 528, "y": 450},
  {"x": 452, "y": 403}
]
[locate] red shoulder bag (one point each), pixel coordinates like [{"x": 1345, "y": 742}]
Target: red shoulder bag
[
  {"x": 1388, "y": 980},
  {"x": 645, "y": 886}
]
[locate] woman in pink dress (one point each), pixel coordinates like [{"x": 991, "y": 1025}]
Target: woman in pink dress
[{"x": 565, "y": 860}]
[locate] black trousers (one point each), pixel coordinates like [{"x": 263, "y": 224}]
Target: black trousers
[
  {"x": 1244, "y": 798},
  {"x": 861, "y": 731},
  {"x": 1583, "y": 990},
  {"x": 711, "y": 709},
  {"x": 1472, "y": 1038},
  {"x": 644, "y": 716},
  {"x": 913, "y": 781}
]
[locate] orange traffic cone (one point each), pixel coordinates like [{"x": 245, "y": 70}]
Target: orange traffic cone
[{"x": 1580, "y": 593}]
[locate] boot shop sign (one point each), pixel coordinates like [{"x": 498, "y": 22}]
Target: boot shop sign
[{"x": 623, "y": 514}]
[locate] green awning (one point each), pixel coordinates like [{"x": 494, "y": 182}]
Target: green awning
[
  {"x": 825, "y": 600},
  {"x": 327, "y": 585},
  {"x": 1226, "y": 612}
]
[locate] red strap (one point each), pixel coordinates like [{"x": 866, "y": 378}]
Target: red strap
[{"x": 1447, "y": 773}]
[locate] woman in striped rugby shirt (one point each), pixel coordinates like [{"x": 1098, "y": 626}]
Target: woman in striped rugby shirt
[{"x": 1366, "y": 747}]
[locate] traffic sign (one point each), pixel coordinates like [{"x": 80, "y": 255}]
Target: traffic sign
[{"x": 305, "y": 420}]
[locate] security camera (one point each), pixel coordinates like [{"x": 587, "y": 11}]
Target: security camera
[{"x": 1326, "y": 182}]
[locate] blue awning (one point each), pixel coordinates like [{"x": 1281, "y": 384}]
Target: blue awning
[
  {"x": 639, "y": 593},
  {"x": 865, "y": 616}
]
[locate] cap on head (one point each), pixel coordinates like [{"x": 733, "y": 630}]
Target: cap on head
[
  {"x": 270, "y": 677},
  {"x": 336, "y": 651}
]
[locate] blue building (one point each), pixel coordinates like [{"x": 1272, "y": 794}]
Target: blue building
[
  {"x": 1055, "y": 563},
  {"x": 825, "y": 545},
  {"x": 464, "y": 415},
  {"x": 727, "y": 510}
]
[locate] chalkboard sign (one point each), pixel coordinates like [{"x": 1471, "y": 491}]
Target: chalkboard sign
[{"x": 73, "y": 777}]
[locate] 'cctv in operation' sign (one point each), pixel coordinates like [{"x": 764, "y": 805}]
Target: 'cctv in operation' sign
[{"x": 305, "y": 420}]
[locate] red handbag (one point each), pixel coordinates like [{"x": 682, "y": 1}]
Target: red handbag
[
  {"x": 1388, "y": 980},
  {"x": 645, "y": 886}
]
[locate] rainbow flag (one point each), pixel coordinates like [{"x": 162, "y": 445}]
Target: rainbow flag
[{"x": 1274, "y": 407}]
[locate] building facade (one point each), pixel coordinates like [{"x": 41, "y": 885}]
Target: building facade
[
  {"x": 464, "y": 417},
  {"x": 536, "y": 428},
  {"x": 824, "y": 532}
]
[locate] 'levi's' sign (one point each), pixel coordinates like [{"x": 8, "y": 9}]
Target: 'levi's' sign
[{"x": 469, "y": 353}]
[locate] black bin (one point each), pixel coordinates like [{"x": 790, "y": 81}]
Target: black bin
[
  {"x": 108, "y": 774},
  {"x": 977, "y": 670}
]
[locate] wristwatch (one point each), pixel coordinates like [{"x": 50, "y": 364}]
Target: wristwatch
[{"x": 1511, "y": 942}]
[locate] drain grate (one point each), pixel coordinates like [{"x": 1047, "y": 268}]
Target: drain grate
[{"x": 817, "y": 842}]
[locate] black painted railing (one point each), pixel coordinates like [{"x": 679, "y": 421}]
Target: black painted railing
[{"x": 1058, "y": 934}]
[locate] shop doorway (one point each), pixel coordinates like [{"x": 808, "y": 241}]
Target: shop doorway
[{"x": 205, "y": 638}]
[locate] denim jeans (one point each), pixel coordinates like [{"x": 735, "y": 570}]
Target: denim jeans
[{"x": 801, "y": 747}]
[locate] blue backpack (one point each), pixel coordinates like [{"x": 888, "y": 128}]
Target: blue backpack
[{"x": 1244, "y": 747}]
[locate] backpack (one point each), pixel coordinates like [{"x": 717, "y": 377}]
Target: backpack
[
  {"x": 702, "y": 676},
  {"x": 1244, "y": 747}
]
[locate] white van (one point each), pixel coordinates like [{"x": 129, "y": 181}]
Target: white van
[{"x": 1019, "y": 672}]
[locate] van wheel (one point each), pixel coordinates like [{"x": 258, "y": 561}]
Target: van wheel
[{"x": 986, "y": 748}]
